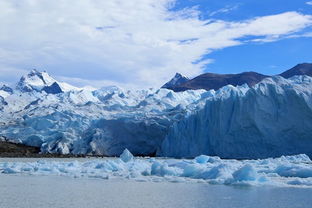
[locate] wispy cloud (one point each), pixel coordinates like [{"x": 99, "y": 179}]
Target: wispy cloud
[
  {"x": 138, "y": 42},
  {"x": 226, "y": 9},
  {"x": 303, "y": 35},
  {"x": 309, "y": 3}
]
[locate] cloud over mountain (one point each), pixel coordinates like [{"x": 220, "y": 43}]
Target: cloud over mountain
[{"x": 132, "y": 43}]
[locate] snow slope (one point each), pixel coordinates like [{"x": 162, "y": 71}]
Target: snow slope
[{"x": 272, "y": 118}]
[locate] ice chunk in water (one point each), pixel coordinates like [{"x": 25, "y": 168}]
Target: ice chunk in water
[
  {"x": 202, "y": 159},
  {"x": 274, "y": 171},
  {"x": 246, "y": 173},
  {"x": 126, "y": 156}
]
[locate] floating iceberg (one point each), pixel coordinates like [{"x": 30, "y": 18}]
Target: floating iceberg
[
  {"x": 126, "y": 156},
  {"x": 285, "y": 171}
]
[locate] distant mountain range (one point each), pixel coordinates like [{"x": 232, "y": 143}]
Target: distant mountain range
[{"x": 214, "y": 81}]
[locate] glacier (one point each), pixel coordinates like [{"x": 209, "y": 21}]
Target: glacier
[
  {"x": 285, "y": 171},
  {"x": 271, "y": 119},
  {"x": 92, "y": 122}
]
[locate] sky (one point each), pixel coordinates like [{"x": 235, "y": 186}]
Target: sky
[{"x": 143, "y": 43}]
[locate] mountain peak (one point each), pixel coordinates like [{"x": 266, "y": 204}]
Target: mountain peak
[
  {"x": 299, "y": 69},
  {"x": 38, "y": 81},
  {"x": 34, "y": 71},
  {"x": 41, "y": 81},
  {"x": 43, "y": 76},
  {"x": 178, "y": 75},
  {"x": 303, "y": 64},
  {"x": 178, "y": 79}
]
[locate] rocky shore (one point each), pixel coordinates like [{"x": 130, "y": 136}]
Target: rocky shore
[{"x": 11, "y": 149}]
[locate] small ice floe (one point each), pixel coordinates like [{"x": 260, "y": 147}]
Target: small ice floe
[{"x": 126, "y": 156}]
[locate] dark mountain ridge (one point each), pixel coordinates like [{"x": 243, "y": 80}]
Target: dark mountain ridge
[
  {"x": 214, "y": 81},
  {"x": 299, "y": 69}
]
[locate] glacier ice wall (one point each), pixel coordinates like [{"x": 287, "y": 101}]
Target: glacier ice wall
[{"x": 273, "y": 118}]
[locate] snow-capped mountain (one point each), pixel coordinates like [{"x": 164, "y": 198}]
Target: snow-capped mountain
[
  {"x": 37, "y": 81},
  {"x": 42, "y": 81},
  {"x": 272, "y": 118},
  {"x": 177, "y": 80}
]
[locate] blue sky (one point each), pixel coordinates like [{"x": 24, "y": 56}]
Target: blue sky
[
  {"x": 143, "y": 43},
  {"x": 241, "y": 10},
  {"x": 268, "y": 58}
]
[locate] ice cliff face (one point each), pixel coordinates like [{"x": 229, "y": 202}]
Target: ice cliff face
[{"x": 272, "y": 118}]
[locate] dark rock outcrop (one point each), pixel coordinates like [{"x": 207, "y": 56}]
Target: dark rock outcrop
[
  {"x": 177, "y": 80},
  {"x": 52, "y": 89}
]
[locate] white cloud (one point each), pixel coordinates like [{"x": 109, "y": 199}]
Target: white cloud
[
  {"x": 272, "y": 39},
  {"x": 138, "y": 42},
  {"x": 79, "y": 82},
  {"x": 8, "y": 73},
  {"x": 309, "y": 3},
  {"x": 226, "y": 9}
]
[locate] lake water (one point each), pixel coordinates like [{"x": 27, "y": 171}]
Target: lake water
[
  {"x": 50, "y": 191},
  {"x": 20, "y": 191}
]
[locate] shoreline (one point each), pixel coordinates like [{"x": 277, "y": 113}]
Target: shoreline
[{"x": 16, "y": 150}]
